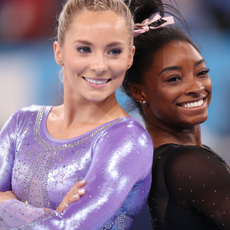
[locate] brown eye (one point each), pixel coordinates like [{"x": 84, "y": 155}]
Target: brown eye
[
  {"x": 173, "y": 79},
  {"x": 203, "y": 73}
]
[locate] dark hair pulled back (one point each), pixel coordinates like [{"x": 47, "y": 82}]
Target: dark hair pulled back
[{"x": 150, "y": 43}]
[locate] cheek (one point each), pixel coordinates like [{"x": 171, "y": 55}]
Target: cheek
[
  {"x": 161, "y": 102},
  {"x": 163, "y": 97},
  {"x": 118, "y": 69},
  {"x": 208, "y": 87},
  {"x": 75, "y": 66},
  {"x": 158, "y": 103},
  {"x": 73, "y": 61}
]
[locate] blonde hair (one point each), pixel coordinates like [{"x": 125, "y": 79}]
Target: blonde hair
[{"x": 74, "y": 7}]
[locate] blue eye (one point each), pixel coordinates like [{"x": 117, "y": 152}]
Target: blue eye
[
  {"x": 84, "y": 49},
  {"x": 115, "y": 51}
]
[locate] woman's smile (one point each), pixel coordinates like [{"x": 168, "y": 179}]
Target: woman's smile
[
  {"x": 195, "y": 107},
  {"x": 194, "y": 104},
  {"x": 96, "y": 83}
]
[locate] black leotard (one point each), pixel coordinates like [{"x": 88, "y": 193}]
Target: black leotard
[{"x": 190, "y": 189}]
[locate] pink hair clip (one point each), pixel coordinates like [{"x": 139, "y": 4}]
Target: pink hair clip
[{"x": 156, "y": 22}]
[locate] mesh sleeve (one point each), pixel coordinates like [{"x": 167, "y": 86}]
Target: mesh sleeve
[{"x": 199, "y": 179}]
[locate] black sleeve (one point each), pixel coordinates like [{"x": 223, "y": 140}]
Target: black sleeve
[{"x": 199, "y": 179}]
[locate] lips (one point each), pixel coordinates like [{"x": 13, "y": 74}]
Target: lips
[
  {"x": 97, "y": 81},
  {"x": 193, "y": 104}
]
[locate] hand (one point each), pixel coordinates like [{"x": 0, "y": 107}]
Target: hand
[
  {"x": 4, "y": 196},
  {"x": 73, "y": 195}
]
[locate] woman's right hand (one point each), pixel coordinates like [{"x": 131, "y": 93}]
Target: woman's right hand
[{"x": 73, "y": 195}]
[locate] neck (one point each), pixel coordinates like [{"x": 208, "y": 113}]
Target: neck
[
  {"x": 79, "y": 111},
  {"x": 163, "y": 134}
]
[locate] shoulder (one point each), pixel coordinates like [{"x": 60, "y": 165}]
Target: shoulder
[
  {"x": 128, "y": 144},
  {"x": 129, "y": 130},
  {"x": 187, "y": 162},
  {"x": 194, "y": 170},
  {"x": 30, "y": 109},
  {"x": 187, "y": 159},
  {"x": 26, "y": 112},
  {"x": 130, "y": 126},
  {"x": 125, "y": 135},
  {"x": 22, "y": 115},
  {"x": 186, "y": 155}
]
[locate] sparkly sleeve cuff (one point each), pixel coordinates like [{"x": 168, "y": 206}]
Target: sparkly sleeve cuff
[
  {"x": 2, "y": 225},
  {"x": 15, "y": 213}
]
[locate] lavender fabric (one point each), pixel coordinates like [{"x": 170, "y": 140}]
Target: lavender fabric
[{"x": 115, "y": 159}]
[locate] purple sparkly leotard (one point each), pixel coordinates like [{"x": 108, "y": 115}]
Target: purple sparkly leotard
[{"x": 115, "y": 160}]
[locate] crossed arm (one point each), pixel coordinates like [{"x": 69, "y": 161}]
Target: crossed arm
[{"x": 110, "y": 179}]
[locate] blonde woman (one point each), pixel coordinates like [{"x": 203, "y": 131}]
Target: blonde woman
[{"x": 45, "y": 151}]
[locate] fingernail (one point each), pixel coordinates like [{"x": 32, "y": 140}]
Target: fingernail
[
  {"x": 76, "y": 196},
  {"x": 81, "y": 191},
  {"x": 82, "y": 182}
]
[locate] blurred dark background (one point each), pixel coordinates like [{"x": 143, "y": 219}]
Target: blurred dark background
[{"x": 29, "y": 74}]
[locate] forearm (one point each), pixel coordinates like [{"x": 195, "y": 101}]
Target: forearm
[{"x": 15, "y": 213}]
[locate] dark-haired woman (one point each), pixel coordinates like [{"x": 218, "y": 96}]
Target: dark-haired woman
[{"x": 170, "y": 85}]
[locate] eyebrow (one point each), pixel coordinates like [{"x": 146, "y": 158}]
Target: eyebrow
[
  {"x": 180, "y": 67},
  {"x": 199, "y": 62},
  {"x": 89, "y": 43},
  {"x": 114, "y": 44},
  {"x": 83, "y": 42},
  {"x": 171, "y": 68}
]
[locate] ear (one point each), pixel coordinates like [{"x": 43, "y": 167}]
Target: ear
[
  {"x": 131, "y": 55},
  {"x": 137, "y": 93},
  {"x": 57, "y": 53}
]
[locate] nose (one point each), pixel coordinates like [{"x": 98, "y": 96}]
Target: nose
[
  {"x": 194, "y": 87},
  {"x": 99, "y": 64}
]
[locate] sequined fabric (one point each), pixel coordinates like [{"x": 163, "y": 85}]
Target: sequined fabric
[
  {"x": 190, "y": 189},
  {"x": 115, "y": 159}
]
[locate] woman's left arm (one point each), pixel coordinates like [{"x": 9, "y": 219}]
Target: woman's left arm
[{"x": 122, "y": 157}]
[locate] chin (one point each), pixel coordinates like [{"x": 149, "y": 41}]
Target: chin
[
  {"x": 198, "y": 119},
  {"x": 202, "y": 121},
  {"x": 197, "y": 122},
  {"x": 96, "y": 98},
  {"x": 192, "y": 122}
]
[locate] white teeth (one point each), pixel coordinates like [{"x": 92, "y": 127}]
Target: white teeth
[
  {"x": 193, "y": 104},
  {"x": 96, "y": 82}
]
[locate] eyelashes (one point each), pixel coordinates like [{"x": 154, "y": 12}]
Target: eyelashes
[
  {"x": 87, "y": 50},
  {"x": 84, "y": 49},
  {"x": 203, "y": 72},
  {"x": 115, "y": 51},
  {"x": 176, "y": 78}
]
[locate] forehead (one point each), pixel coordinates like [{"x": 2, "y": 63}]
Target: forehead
[
  {"x": 94, "y": 17},
  {"x": 99, "y": 24},
  {"x": 177, "y": 53}
]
